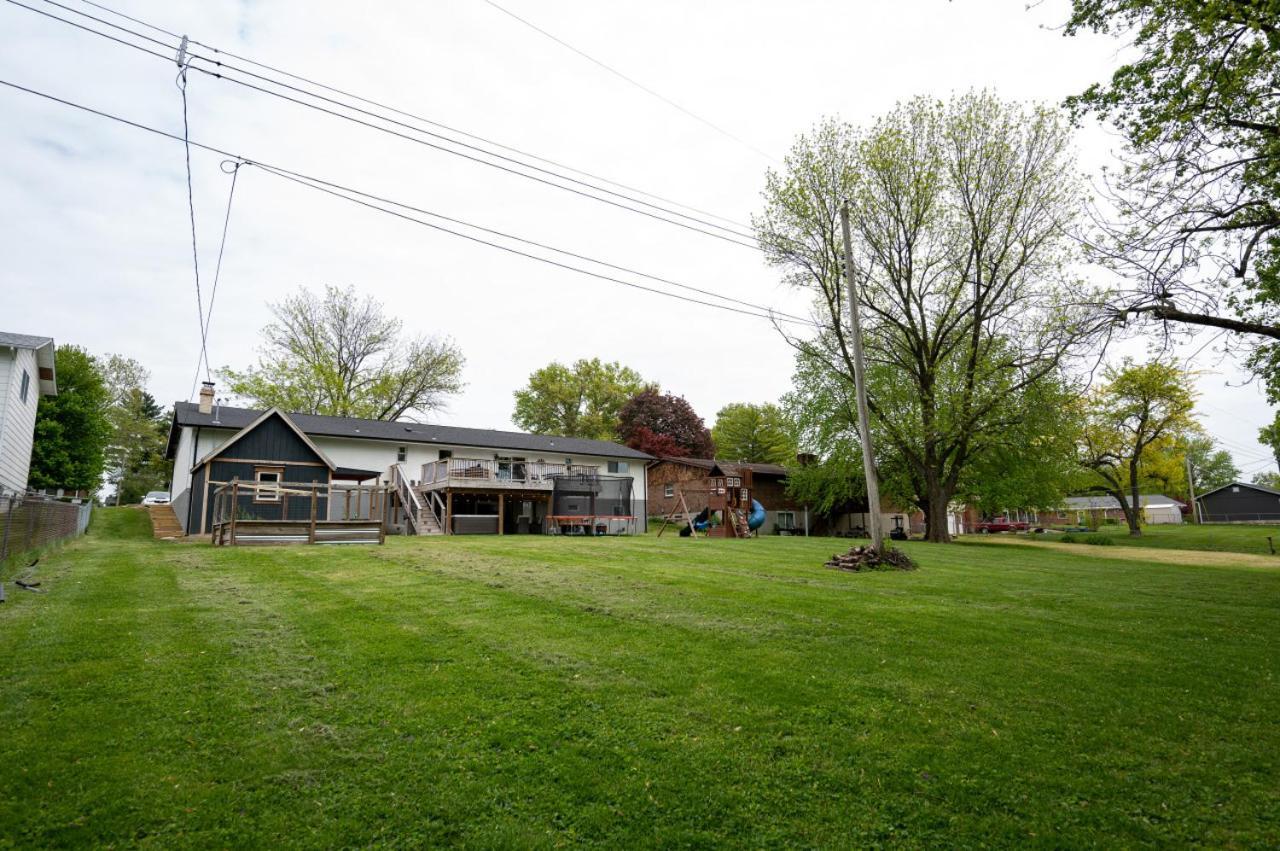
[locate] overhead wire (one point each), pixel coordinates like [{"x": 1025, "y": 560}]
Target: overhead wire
[
  {"x": 217, "y": 275},
  {"x": 743, "y": 307},
  {"x": 417, "y": 117},
  {"x": 191, "y": 208},
  {"x": 727, "y": 234},
  {"x": 631, "y": 80}
]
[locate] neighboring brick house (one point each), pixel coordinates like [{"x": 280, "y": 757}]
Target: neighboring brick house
[
  {"x": 1092, "y": 510},
  {"x": 669, "y": 477}
]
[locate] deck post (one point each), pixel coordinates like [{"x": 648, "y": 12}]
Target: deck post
[
  {"x": 381, "y": 515},
  {"x": 311, "y": 530},
  {"x": 346, "y": 503},
  {"x": 235, "y": 506},
  {"x": 448, "y": 512},
  {"x": 501, "y": 512}
]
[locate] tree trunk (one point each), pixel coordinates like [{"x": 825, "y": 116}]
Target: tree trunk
[
  {"x": 1135, "y": 505},
  {"x": 938, "y": 499}
]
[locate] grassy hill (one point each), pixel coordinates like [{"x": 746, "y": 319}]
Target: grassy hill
[{"x": 634, "y": 692}]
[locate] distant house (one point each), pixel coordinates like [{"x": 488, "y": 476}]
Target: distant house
[
  {"x": 1240, "y": 502},
  {"x": 466, "y": 480},
  {"x": 669, "y": 477},
  {"x": 26, "y": 374},
  {"x": 1089, "y": 510}
]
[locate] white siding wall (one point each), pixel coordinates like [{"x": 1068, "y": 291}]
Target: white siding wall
[
  {"x": 17, "y": 418},
  {"x": 379, "y": 455}
]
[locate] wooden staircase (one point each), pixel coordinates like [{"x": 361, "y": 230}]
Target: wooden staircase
[
  {"x": 164, "y": 523},
  {"x": 417, "y": 506}
]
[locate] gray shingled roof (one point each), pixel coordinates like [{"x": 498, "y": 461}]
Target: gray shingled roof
[
  {"x": 730, "y": 467},
  {"x": 23, "y": 341},
  {"x": 188, "y": 414},
  {"x": 1106, "y": 503}
]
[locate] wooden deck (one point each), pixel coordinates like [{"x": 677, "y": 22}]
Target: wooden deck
[{"x": 489, "y": 475}]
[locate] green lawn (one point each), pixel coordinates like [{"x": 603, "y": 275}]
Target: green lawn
[
  {"x": 1219, "y": 537},
  {"x": 633, "y": 692}
]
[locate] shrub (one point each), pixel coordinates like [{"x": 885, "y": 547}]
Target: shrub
[
  {"x": 1099, "y": 540},
  {"x": 1070, "y": 538}
]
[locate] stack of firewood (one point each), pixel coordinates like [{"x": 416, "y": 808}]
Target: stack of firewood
[{"x": 866, "y": 558}]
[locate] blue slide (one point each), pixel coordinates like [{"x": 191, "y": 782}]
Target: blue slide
[{"x": 754, "y": 520}]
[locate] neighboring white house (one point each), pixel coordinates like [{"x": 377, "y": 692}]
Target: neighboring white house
[
  {"x": 1156, "y": 508},
  {"x": 26, "y": 374},
  {"x": 468, "y": 478}
]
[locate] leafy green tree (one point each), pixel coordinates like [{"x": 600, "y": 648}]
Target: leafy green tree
[
  {"x": 135, "y": 451},
  {"x": 756, "y": 433},
  {"x": 1211, "y": 466},
  {"x": 583, "y": 400},
  {"x": 962, "y": 218},
  {"x": 340, "y": 355},
  {"x": 1028, "y": 464},
  {"x": 72, "y": 428},
  {"x": 1270, "y": 480},
  {"x": 1198, "y": 197},
  {"x": 1140, "y": 406},
  {"x": 1269, "y": 436}
]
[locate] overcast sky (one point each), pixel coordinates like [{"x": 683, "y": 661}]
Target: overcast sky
[{"x": 96, "y": 242}]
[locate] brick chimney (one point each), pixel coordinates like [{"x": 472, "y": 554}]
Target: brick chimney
[{"x": 206, "y": 397}]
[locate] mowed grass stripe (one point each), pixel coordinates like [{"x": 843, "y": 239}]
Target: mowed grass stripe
[{"x": 640, "y": 692}]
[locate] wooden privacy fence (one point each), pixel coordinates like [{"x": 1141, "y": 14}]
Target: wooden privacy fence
[
  {"x": 246, "y": 512},
  {"x": 30, "y": 522}
]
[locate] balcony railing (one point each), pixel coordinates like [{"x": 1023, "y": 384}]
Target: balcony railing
[{"x": 470, "y": 472}]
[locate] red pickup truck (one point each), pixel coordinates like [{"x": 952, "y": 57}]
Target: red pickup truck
[{"x": 1001, "y": 524}]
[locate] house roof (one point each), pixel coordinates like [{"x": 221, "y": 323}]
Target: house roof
[
  {"x": 1249, "y": 485},
  {"x": 44, "y": 349},
  {"x": 1106, "y": 503},
  {"x": 400, "y": 431},
  {"x": 729, "y": 467},
  {"x": 266, "y": 415}
]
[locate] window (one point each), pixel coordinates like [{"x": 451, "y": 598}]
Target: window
[
  {"x": 1235, "y": 490},
  {"x": 267, "y": 476},
  {"x": 402, "y": 453},
  {"x": 26, "y": 386},
  {"x": 786, "y": 520},
  {"x": 446, "y": 453},
  {"x": 619, "y": 467},
  {"x": 669, "y": 491}
]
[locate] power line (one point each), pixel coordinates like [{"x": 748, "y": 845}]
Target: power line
[
  {"x": 217, "y": 275},
  {"x": 641, "y": 86},
  {"x": 421, "y": 118},
  {"x": 191, "y": 208},
  {"x": 728, "y": 235},
  {"x": 746, "y": 308},
  {"x": 428, "y": 121}
]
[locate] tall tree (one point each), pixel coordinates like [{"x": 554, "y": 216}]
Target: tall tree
[
  {"x": 1198, "y": 232},
  {"x": 1139, "y": 406},
  {"x": 1269, "y": 436},
  {"x": 962, "y": 220},
  {"x": 137, "y": 443},
  {"x": 341, "y": 355},
  {"x": 650, "y": 416},
  {"x": 583, "y": 400},
  {"x": 72, "y": 428},
  {"x": 758, "y": 433}
]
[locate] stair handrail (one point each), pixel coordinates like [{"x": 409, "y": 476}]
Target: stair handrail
[
  {"x": 408, "y": 496},
  {"x": 435, "y": 505}
]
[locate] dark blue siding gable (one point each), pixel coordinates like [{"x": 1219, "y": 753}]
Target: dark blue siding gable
[{"x": 271, "y": 440}]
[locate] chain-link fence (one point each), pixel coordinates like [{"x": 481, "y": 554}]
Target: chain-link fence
[{"x": 30, "y": 522}]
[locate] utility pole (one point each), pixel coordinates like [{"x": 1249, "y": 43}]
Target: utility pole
[
  {"x": 860, "y": 391},
  {"x": 1191, "y": 486}
]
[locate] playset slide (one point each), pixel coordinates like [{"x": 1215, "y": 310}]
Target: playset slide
[{"x": 754, "y": 520}]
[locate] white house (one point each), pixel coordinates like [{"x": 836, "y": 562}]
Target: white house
[
  {"x": 26, "y": 374},
  {"x": 454, "y": 480}
]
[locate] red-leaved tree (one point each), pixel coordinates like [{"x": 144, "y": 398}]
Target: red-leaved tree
[{"x": 650, "y": 416}]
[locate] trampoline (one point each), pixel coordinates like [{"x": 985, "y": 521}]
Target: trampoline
[{"x": 591, "y": 504}]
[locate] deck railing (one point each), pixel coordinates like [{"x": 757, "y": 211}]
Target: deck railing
[
  {"x": 479, "y": 470},
  {"x": 298, "y": 512}
]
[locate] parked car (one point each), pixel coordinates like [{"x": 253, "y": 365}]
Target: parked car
[
  {"x": 156, "y": 498},
  {"x": 1001, "y": 524}
]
